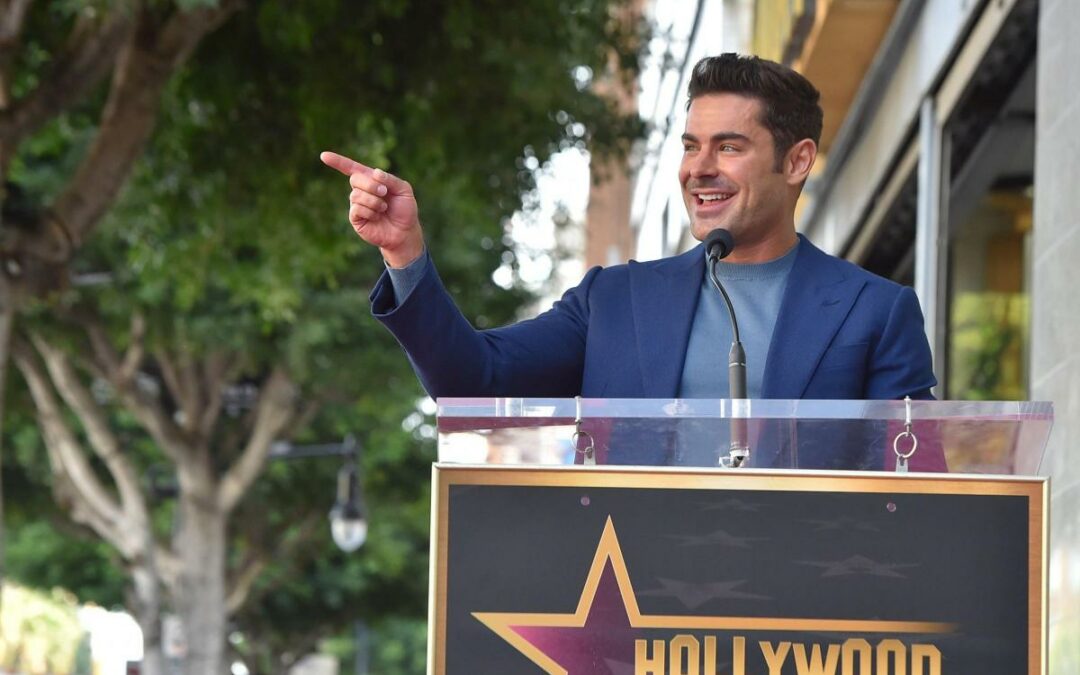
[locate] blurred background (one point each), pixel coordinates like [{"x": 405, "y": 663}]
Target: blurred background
[{"x": 213, "y": 459}]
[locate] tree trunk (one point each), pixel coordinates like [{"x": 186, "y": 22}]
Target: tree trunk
[
  {"x": 7, "y": 319},
  {"x": 201, "y": 547},
  {"x": 147, "y": 605}
]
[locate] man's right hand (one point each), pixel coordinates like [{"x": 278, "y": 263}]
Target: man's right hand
[{"x": 382, "y": 210}]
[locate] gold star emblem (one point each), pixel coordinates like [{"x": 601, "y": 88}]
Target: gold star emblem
[{"x": 607, "y": 622}]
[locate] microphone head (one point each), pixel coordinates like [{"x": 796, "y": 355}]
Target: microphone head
[{"x": 719, "y": 243}]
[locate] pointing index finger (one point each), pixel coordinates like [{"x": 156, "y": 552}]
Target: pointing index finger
[{"x": 344, "y": 164}]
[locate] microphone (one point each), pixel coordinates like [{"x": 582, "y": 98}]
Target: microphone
[{"x": 718, "y": 244}]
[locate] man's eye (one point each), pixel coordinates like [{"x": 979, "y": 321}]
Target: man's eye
[
  {"x": 688, "y": 148},
  {"x": 728, "y": 148}
]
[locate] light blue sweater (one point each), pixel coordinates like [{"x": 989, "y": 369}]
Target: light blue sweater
[{"x": 755, "y": 291}]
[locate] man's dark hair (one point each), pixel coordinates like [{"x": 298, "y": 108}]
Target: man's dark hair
[{"x": 789, "y": 103}]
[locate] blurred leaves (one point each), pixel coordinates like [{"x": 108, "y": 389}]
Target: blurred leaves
[{"x": 232, "y": 237}]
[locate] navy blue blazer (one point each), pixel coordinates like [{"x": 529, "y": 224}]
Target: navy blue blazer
[{"x": 842, "y": 333}]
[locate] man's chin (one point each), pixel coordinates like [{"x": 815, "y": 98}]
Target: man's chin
[{"x": 701, "y": 229}]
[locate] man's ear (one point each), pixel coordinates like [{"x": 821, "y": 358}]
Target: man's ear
[{"x": 800, "y": 159}]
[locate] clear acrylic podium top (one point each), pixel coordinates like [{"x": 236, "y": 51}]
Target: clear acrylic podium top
[{"x": 980, "y": 437}]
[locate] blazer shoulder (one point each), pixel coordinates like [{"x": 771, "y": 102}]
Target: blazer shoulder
[
  {"x": 620, "y": 274},
  {"x": 671, "y": 264},
  {"x": 845, "y": 270}
]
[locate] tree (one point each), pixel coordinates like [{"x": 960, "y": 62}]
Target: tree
[
  {"x": 225, "y": 309},
  {"x": 53, "y": 58}
]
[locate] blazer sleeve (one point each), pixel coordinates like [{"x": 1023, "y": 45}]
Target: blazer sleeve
[
  {"x": 541, "y": 357},
  {"x": 901, "y": 364}
]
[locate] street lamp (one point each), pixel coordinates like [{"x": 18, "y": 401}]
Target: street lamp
[{"x": 347, "y": 523}]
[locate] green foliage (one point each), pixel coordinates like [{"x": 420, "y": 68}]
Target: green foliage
[
  {"x": 42, "y": 554},
  {"x": 40, "y": 632},
  {"x": 319, "y": 590},
  {"x": 232, "y": 238},
  {"x": 43, "y": 549},
  {"x": 447, "y": 95},
  {"x": 987, "y": 356},
  {"x": 394, "y": 647}
]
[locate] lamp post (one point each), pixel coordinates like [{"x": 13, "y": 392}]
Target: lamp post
[{"x": 348, "y": 523}]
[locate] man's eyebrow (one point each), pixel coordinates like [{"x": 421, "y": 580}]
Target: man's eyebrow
[{"x": 719, "y": 137}]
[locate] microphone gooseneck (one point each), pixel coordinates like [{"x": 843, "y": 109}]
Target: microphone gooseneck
[{"x": 718, "y": 244}]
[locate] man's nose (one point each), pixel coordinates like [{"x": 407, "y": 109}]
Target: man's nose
[{"x": 704, "y": 164}]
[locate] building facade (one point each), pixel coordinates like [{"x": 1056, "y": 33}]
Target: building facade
[
  {"x": 950, "y": 162},
  {"x": 952, "y": 171}
]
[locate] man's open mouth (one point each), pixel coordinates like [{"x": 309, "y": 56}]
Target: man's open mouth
[{"x": 714, "y": 197}]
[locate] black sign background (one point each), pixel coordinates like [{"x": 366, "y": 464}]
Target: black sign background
[{"x": 900, "y": 556}]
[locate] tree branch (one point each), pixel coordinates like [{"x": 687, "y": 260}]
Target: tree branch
[
  {"x": 243, "y": 581},
  {"x": 192, "y": 402},
  {"x": 274, "y": 412},
  {"x": 307, "y": 414},
  {"x": 144, "y": 53},
  {"x": 104, "y": 353},
  {"x": 179, "y": 384},
  {"x": 216, "y": 373},
  {"x": 92, "y": 503},
  {"x": 241, "y": 584},
  {"x": 169, "y": 569},
  {"x": 119, "y": 371},
  {"x": 7, "y": 323},
  {"x": 144, "y": 66},
  {"x": 133, "y": 357},
  {"x": 146, "y": 408},
  {"x": 169, "y": 374},
  {"x": 102, "y": 440},
  {"x": 12, "y": 19},
  {"x": 90, "y": 53}
]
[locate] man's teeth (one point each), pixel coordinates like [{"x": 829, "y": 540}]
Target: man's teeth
[{"x": 713, "y": 198}]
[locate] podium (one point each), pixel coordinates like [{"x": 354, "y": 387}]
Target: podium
[{"x": 607, "y": 537}]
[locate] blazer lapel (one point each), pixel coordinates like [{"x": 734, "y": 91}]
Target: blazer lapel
[
  {"x": 818, "y": 297},
  {"x": 663, "y": 299}
]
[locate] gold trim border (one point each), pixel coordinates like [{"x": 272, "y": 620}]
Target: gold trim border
[{"x": 444, "y": 476}]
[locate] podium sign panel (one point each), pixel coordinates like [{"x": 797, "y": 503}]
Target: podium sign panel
[
  {"x": 824, "y": 554},
  {"x": 678, "y": 571}
]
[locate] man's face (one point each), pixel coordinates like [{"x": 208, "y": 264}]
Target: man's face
[{"x": 729, "y": 174}]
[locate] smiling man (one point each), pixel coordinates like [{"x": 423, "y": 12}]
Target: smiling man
[{"x": 813, "y": 326}]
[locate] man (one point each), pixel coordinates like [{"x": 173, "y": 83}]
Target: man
[{"x": 813, "y": 326}]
